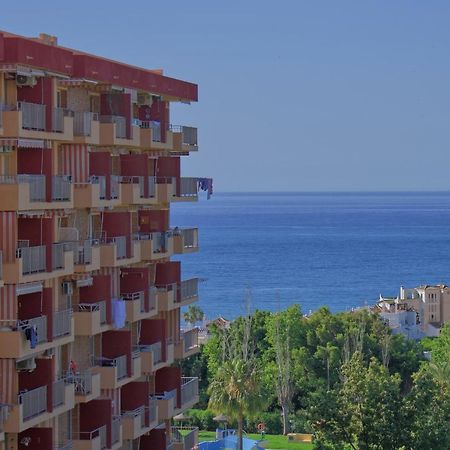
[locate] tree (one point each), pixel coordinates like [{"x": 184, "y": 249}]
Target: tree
[
  {"x": 330, "y": 355},
  {"x": 193, "y": 315}
]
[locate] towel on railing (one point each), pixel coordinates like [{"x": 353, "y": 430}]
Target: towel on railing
[
  {"x": 206, "y": 184},
  {"x": 118, "y": 313}
]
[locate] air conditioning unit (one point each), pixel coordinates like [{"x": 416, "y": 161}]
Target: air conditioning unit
[
  {"x": 25, "y": 80},
  {"x": 26, "y": 365},
  {"x": 67, "y": 288}
]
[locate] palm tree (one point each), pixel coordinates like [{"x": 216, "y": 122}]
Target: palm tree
[
  {"x": 193, "y": 315},
  {"x": 236, "y": 391}
]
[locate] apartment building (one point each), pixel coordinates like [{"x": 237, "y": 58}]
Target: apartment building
[
  {"x": 417, "y": 312},
  {"x": 89, "y": 297}
]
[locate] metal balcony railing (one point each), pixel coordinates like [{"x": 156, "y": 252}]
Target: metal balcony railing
[
  {"x": 99, "y": 432},
  {"x": 98, "y": 306},
  {"x": 189, "y": 135},
  {"x": 188, "y": 187},
  {"x": 66, "y": 446},
  {"x": 152, "y": 409},
  {"x": 115, "y": 186},
  {"x": 120, "y": 362},
  {"x": 33, "y": 115},
  {"x": 4, "y": 414},
  {"x": 101, "y": 181},
  {"x": 189, "y": 289},
  {"x": 159, "y": 239},
  {"x": 33, "y": 402},
  {"x": 82, "y": 382},
  {"x": 82, "y": 123},
  {"x": 151, "y": 187},
  {"x": 152, "y": 298},
  {"x": 190, "y": 237},
  {"x": 37, "y": 186},
  {"x": 155, "y": 127},
  {"x": 115, "y": 430},
  {"x": 138, "y": 412},
  {"x": 121, "y": 124},
  {"x": 59, "y": 393},
  {"x": 61, "y": 187},
  {"x": 156, "y": 349},
  {"x": 102, "y": 433},
  {"x": 133, "y": 296},
  {"x": 62, "y": 323},
  {"x": 58, "y": 255},
  {"x": 121, "y": 246},
  {"x": 189, "y": 389},
  {"x": 1, "y": 265},
  {"x": 190, "y": 339},
  {"x": 83, "y": 252},
  {"x": 38, "y": 325},
  {"x": 33, "y": 259},
  {"x": 185, "y": 435}
]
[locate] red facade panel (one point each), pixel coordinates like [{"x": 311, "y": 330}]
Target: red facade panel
[
  {"x": 40, "y": 439},
  {"x": 133, "y": 395},
  {"x": 168, "y": 273},
  {"x": 168, "y": 379},
  {"x": 153, "y": 220}
]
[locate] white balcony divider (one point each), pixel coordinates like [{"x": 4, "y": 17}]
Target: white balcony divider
[
  {"x": 190, "y": 339},
  {"x": 115, "y": 431},
  {"x": 62, "y": 323},
  {"x": 189, "y": 289},
  {"x": 101, "y": 181},
  {"x": 33, "y": 259},
  {"x": 59, "y": 393},
  {"x": 58, "y": 255},
  {"x": 58, "y": 120},
  {"x": 121, "y": 124},
  {"x": 82, "y": 123},
  {"x": 33, "y": 115},
  {"x": 39, "y": 324},
  {"x": 121, "y": 364},
  {"x": 37, "y": 186},
  {"x": 132, "y": 296},
  {"x": 33, "y": 402},
  {"x": 121, "y": 245},
  {"x": 189, "y": 135},
  {"x": 189, "y": 389},
  {"x": 156, "y": 349},
  {"x": 61, "y": 187},
  {"x": 188, "y": 187}
]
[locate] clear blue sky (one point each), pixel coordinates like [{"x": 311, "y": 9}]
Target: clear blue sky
[{"x": 294, "y": 95}]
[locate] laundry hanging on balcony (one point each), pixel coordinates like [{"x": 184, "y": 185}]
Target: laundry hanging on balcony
[
  {"x": 118, "y": 313},
  {"x": 206, "y": 184}
]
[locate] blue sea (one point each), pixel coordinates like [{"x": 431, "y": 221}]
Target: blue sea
[{"x": 314, "y": 249}]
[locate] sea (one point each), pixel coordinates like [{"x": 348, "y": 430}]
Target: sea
[{"x": 271, "y": 250}]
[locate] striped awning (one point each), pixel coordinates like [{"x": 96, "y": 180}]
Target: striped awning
[
  {"x": 11, "y": 144},
  {"x": 44, "y": 213}
]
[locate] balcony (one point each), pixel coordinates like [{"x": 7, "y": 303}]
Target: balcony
[
  {"x": 28, "y": 120},
  {"x": 90, "y": 440},
  {"x": 184, "y": 138},
  {"x": 114, "y": 372},
  {"x": 174, "y": 295},
  {"x": 86, "y": 128},
  {"x": 113, "y": 252},
  {"x": 151, "y": 136},
  {"x": 156, "y": 245},
  {"x": 90, "y": 318},
  {"x": 87, "y": 385},
  {"x": 151, "y": 356},
  {"x": 186, "y": 189},
  {"x": 113, "y": 131},
  {"x": 139, "y": 190},
  {"x": 63, "y": 325},
  {"x": 136, "y": 307},
  {"x": 86, "y": 255},
  {"x": 25, "y": 192},
  {"x": 185, "y": 240},
  {"x": 31, "y": 263},
  {"x": 184, "y": 438},
  {"x": 32, "y": 407},
  {"x": 189, "y": 392},
  {"x": 140, "y": 421},
  {"x": 116, "y": 433},
  {"x": 166, "y": 402},
  {"x": 92, "y": 194},
  {"x": 188, "y": 291},
  {"x": 188, "y": 344}
]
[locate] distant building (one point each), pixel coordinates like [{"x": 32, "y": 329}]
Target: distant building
[{"x": 417, "y": 312}]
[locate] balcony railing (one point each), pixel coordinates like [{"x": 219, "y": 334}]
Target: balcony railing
[
  {"x": 98, "y": 306},
  {"x": 83, "y": 252},
  {"x": 62, "y": 323},
  {"x": 58, "y": 120},
  {"x": 114, "y": 186},
  {"x": 185, "y": 435},
  {"x": 138, "y": 412},
  {"x": 61, "y": 187},
  {"x": 159, "y": 239},
  {"x": 188, "y": 187},
  {"x": 82, "y": 382},
  {"x": 66, "y": 446},
  {"x": 189, "y": 235},
  {"x": 152, "y": 409},
  {"x": 1, "y": 265},
  {"x": 59, "y": 393},
  {"x": 82, "y": 123},
  {"x": 33, "y": 402},
  {"x": 120, "y": 362},
  {"x": 189, "y": 134},
  {"x": 58, "y": 255},
  {"x": 155, "y": 127},
  {"x": 36, "y": 325},
  {"x": 152, "y": 298},
  {"x": 33, "y": 259},
  {"x": 121, "y": 246},
  {"x": 189, "y": 389},
  {"x": 4, "y": 414},
  {"x": 37, "y": 186},
  {"x": 155, "y": 349},
  {"x": 151, "y": 189},
  {"x": 189, "y": 289},
  {"x": 33, "y": 115},
  {"x": 115, "y": 430},
  {"x": 133, "y": 296},
  {"x": 190, "y": 339},
  {"x": 121, "y": 124}
]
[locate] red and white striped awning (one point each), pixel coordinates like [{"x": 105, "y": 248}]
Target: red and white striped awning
[
  {"x": 9, "y": 144},
  {"x": 44, "y": 213}
]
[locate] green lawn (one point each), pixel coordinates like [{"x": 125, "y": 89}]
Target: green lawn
[{"x": 273, "y": 441}]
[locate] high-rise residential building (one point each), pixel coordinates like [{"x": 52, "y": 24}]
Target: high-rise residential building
[{"x": 90, "y": 299}]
